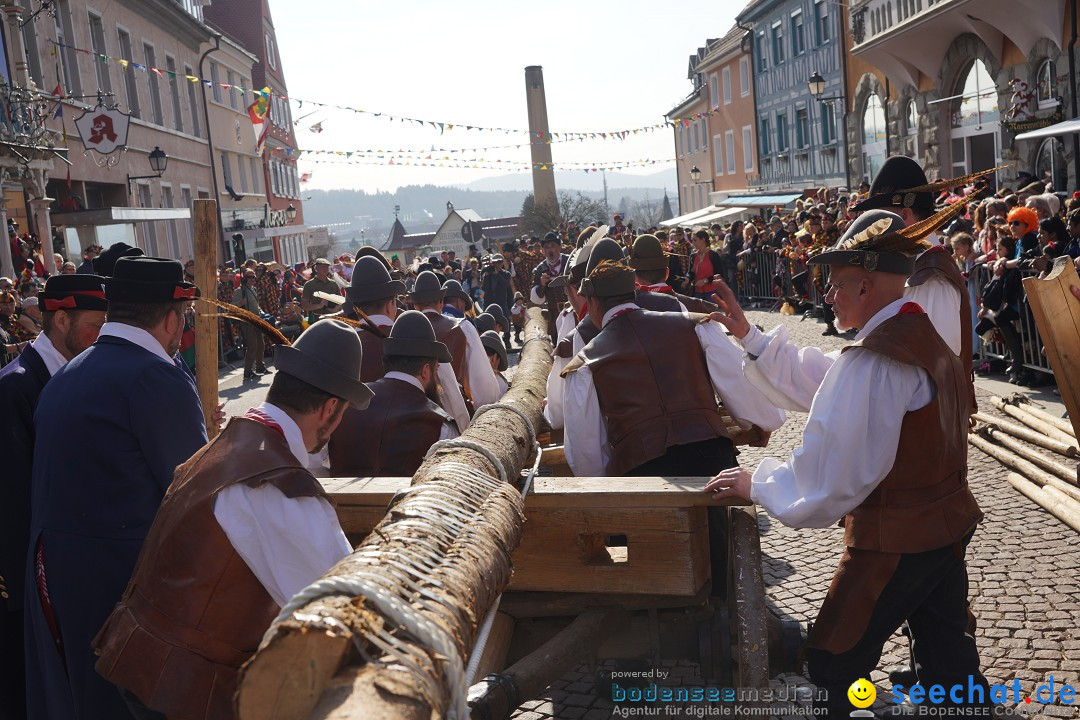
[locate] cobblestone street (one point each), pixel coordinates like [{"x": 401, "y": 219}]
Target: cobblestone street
[{"x": 1022, "y": 564}]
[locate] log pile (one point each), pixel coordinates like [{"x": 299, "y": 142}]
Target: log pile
[
  {"x": 387, "y": 632},
  {"x": 1045, "y": 480}
]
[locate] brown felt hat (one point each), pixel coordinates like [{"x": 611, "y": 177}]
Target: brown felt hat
[
  {"x": 413, "y": 336},
  {"x": 648, "y": 254}
]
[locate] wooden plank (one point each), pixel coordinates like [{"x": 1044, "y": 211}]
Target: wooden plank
[
  {"x": 1057, "y": 316},
  {"x": 205, "y": 247}
]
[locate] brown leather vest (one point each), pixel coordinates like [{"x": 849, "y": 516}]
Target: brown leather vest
[
  {"x": 657, "y": 302},
  {"x": 371, "y": 365},
  {"x": 391, "y": 436},
  {"x": 939, "y": 263},
  {"x": 193, "y": 611},
  {"x": 653, "y": 386},
  {"x": 449, "y": 334},
  {"x": 924, "y": 502},
  {"x": 696, "y": 305}
]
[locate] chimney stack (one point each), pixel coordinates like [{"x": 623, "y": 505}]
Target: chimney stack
[{"x": 543, "y": 180}]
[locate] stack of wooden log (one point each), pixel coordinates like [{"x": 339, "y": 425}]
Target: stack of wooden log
[{"x": 1050, "y": 481}]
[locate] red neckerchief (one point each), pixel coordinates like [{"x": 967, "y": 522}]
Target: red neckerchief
[
  {"x": 263, "y": 419},
  {"x": 662, "y": 288},
  {"x": 622, "y": 312},
  {"x": 910, "y": 308},
  {"x": 584, "y": 311}
]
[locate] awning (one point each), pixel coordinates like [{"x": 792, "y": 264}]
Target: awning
[
  {"x": 1067, "y": 127},
  {"x": 720, "y": 214},
  {"x": 117, "y": 216},
  {"x": 778, "y": 200},
  {"x": 689, "y": 218}
]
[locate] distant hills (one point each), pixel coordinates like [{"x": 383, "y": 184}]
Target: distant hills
[{"x": 423, "y": 207}]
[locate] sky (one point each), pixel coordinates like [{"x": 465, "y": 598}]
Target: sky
[{"x": 608, "y": 66}]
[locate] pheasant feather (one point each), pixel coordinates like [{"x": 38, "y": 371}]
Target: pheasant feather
[
  {"x": 238, "y": 313},
  {"x": 951, "y": 182}
]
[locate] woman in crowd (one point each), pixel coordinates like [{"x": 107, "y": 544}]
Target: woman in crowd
[
  {"x": 1001, "y": 308},
  {"x": 963, "y": 249},
  {"x": 705, "y": 266},
  {"x": 1024, "y": 226}
]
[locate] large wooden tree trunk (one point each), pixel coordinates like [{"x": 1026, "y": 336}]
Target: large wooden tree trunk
[{"x": 436, "y": 563}]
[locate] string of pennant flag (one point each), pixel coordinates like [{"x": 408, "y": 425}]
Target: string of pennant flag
[
  {"x": 506, "y": 166},
  {"x": 414, "y": 155},
  {"x": 442, "y": 126}
]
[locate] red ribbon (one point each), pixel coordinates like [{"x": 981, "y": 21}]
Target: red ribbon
[
  {"x": 263, "y": 419},
  {"x": 662, "y": 288},
  {"x": 184, "y": 293},
  {"x": 910, "y": 308},
  {"x": 69, "y": 301}
]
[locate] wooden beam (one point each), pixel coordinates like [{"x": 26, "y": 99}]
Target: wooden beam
[
  {"x": 206, "y": 328},
  {"x": 1057, "y": 316}
]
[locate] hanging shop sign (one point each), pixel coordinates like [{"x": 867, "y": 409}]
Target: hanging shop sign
[
  {"x": 103, "y": 129},
  {"x": 1021, "y": 126}
]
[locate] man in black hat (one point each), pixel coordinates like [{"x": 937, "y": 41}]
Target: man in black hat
[
  {"x": 73, "y": 311},
  {"x": 650, "y": 264},
  {"x": 936, "y": 283},
  {"x": 677, "y": 366},
  {"x": 110, "y": 429},
  {"x": 551, "y": 267},
  {"x": 106, "y": 261},
  {"x": 87, "y": 265},
  {"x": 885, "y": 448},
  {"x": 244, "y": 527},
  {"x": 498, "y": 291},
  {"x": 247, "y": 298},
  {"x": 391, "y": 436},
  {"x": 456, "y": 302},
  {"x": 496, "y": 353},
  {"x": 469, "y": 360},
  {"x": 374, "y": 292},
  {"x": 502, "y": 324}
]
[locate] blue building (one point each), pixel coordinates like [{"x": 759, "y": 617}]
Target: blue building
[{"x": 801, "y": 140}]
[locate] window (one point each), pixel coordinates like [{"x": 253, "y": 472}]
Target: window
[
  {"x": 777, "y": 43},
  {"x": 149, "y": 228},
  {"x": 744, "y": 76},
  {"x": 271, "y": 58},
  {"x": 154, "y": 81},
  {"x": 762, "y": 52},
  {"x": 255, "y": 173},
  {"x": 215, "y": 79},
  {"x": 172, "y": 232},
  {"x": 764, "y": 135},
  {"x": 798, "y": 40},
  {"x": 33, "y": 56},
  {"x": 828, "y": 124},
  {"x": 226, "y": 169},
  {"x": 727, "y": 86},
  {"x": 243, "y": 168},
  {"x": 275, "y": 177},
  {"x": 821, "y": 21},
  {"x": 1047, "y": 90},
  {"x": 729, "y": 150},
  {"x": 911, "y": 118},
  {"x": 65, "y": 38},
  {"x": 781, "y": 132},
  {"x": 802, "y": 128},
  {"x": 718, "y": 159},
  {"x": 130, "y": 85},
  {"x": 714, "y": 95},
  {"x": 873, "y": 121},
  {"x": 748, "y": 148},
  {"x": 234, "y": 91},
  {"x": 979, "y": 98},
  {"x": 193, "y": 102},
  {"x": 174, "y": 93},
  {"x": 185, "y": 198},
  {"x": 97, "y": 43}
]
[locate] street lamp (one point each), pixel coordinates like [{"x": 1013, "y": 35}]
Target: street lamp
[
  {"x": 695, "y": 174},
  {"x": 158, "y": 161},
  {"x": 816, "y": 83},
  {"x": 290, "y": 213}
]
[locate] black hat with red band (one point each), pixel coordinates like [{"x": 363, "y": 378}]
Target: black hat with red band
[
  {"x": 73, "y": 292},
  {"x": 148, "y": 280}
]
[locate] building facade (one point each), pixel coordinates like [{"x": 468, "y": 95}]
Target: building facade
[
  {"x": 730, "y": 92},
  {"x": 799, "y": 138},
  {"x": 250, "y": 22},
  {"x": 692, "y": 141},
  {"x": 952, "y": 82}
]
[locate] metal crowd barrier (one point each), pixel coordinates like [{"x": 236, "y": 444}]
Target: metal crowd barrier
[{"x": 1030, "y": 342}]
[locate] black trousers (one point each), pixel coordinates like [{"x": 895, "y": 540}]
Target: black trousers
[
  {"x": 12, "y": 666},
  {"x": 699, "y": 459},
  {"x": 930, "y": 591}
]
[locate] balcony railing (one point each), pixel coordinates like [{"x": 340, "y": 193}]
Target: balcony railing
[
  {"x": 23, "y": 132},
  {"x": 872, "y": 18}
]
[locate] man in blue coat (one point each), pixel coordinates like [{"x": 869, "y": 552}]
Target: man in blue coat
[
  {"x": 73, "y": 310},
  {"x": 110, "y": 429}
]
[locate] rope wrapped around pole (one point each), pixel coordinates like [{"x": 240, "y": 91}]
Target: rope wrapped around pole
[{"x": 387, "y": 631}]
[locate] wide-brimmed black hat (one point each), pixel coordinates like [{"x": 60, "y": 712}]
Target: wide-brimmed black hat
[
  {"x": 106, "y": 261},
  {"x": 453, "y": 289},
  {"x": 574, "y": 272},
  {"x": 492, "y": 341},
  {"x": 74, "y": 292},
  {"x": 496, "y": 312},
  {"x": 148, "y": 280},
  {"x": 328, "y": 356},
  {"x": 427, "y": 288},
  {"x": 484, "y": 322},
  {"x": 371, "y": 281},
  {"x": 610, "y": 284},
  {"x": 892, "y": 187},
  {"x": 648, "y": 254},
  {"x": 412, "y": 336}
]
